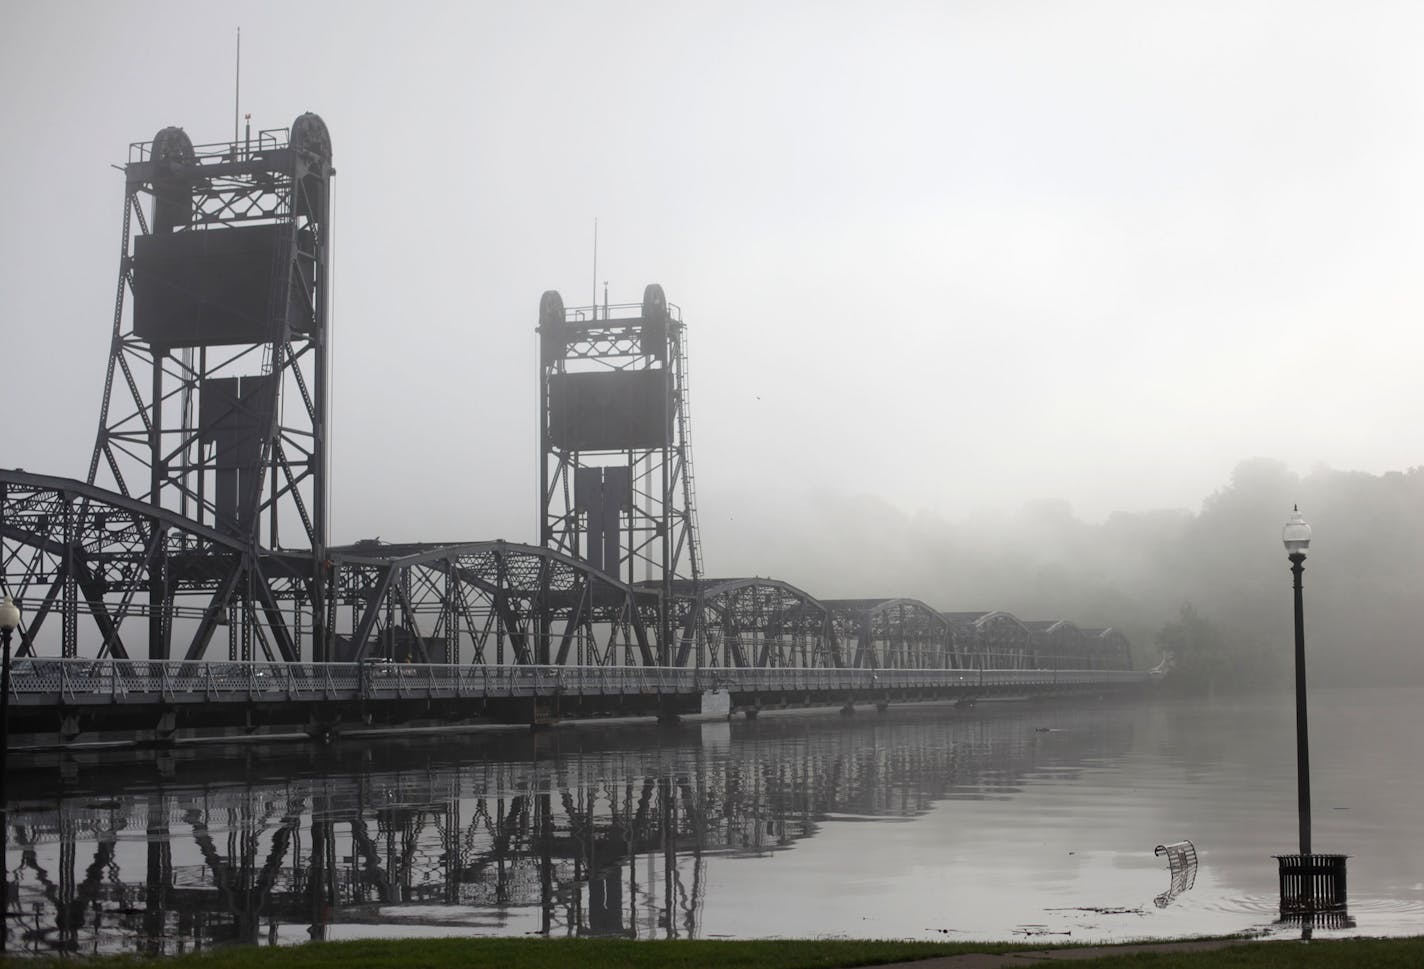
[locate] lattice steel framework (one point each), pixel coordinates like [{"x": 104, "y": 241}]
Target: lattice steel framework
[
  {"x": 1109, "y": 648},
  {"x": 1060, "y": 645},
  {"x": 487, "y": 603},
  {"x": 750, "y": 622},
  {"x": 215, "y": 396},
  {"x": 890, "y": 634},
  {"x": 79, "y": 558},
  {"x": 87, "y": 558},
  {"x": 992, "y": 640},
  {"x": 616, "y": 486}
]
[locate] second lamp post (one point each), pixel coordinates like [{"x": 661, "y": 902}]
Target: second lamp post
[{"x": 1296, "y": 536}]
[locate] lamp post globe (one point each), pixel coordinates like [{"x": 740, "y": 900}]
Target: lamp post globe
[
  {"x": 1296, "y": 534},
  {"x": 9, "y": 616}
]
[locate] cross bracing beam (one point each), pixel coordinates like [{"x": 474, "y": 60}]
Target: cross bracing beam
[{"x": 476, "y": 598}]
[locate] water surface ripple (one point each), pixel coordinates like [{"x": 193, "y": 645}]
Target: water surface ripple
[{"x": 1005, "y": 821}]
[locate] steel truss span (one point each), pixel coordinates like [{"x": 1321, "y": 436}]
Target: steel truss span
[
  {"x": 751, "y": 623},
  {"x": 893, "y": 633},
  {"x": 82, "y": 560},
  {"x": 486, "y": 604}
]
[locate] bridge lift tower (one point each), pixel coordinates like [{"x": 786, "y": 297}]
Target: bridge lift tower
[
  {"x": 616, "y": 484},
  {"x": 215, "y": 398}
]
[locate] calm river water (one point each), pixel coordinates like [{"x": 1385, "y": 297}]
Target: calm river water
[{"x": 1002, "y": 821}]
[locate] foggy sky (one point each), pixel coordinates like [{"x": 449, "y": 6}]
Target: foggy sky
[{"x": 955, "y": 256}]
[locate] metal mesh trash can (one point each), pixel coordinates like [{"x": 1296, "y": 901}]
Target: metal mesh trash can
[{"x": 1312, "y": 883}]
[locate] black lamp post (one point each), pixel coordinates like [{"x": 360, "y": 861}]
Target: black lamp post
[
  {"x": 9, "y": 621},
  {"x": 1312, "y": 886},
  {"x": 1296, "y": 536}
]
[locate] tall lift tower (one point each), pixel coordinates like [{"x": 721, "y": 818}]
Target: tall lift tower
[
  {"x": 215, "y": 399},
  {"x": 616, "y": 484}
]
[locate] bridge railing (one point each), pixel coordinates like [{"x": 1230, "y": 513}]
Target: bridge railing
[{"x": 39, "y": 680}]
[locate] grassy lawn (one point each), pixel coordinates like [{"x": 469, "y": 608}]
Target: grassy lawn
[
  {"x": 554, "y": 954},
  {"x": 1335, "y": 954},
  {"x": 788, "y": 954}
]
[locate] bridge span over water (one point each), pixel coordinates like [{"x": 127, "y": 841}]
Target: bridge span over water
[
  {"x": 454, "y": 633},
  {"x": 190, "y": 576}
]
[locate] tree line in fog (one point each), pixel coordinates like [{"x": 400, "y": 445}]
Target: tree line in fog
[{"x": 1211, "y": 585}]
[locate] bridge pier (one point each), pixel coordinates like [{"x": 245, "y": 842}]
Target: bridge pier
[
  {"x": 668, "y": 713},
  {"x": 716, "y": 703},
  {"x": 323, "y": 731},
  {"x": 544, "y": 713},
  {"x": 68, "y": 727}
]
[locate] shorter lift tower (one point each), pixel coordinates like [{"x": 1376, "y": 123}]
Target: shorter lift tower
[
  {"x": 215, "y": 400},
  {"x": 615, "y": 461}
]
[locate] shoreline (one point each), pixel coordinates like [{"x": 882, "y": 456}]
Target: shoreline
[{"x": 594, "y": 953}]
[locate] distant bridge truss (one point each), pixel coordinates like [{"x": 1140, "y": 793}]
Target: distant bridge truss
[
  {"x": 751, "y": 623},
  {"x": 894, "y": 634}
]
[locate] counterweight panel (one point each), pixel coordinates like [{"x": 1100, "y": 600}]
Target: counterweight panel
[{"x": 611, "y": 410}]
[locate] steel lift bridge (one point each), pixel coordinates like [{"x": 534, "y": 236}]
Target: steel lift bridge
[
  {"x": 189, "y": 580},
  {"x": 203, "y": 519},
  {"x": 202, "y": 523}
]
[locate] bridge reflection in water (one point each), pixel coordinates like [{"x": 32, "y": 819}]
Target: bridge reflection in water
[{"x": 606, "y": 832}]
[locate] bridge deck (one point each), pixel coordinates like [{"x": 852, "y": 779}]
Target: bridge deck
[
  {"x": 81, "y": 700},
  {"x": 68, "y": 682}
]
